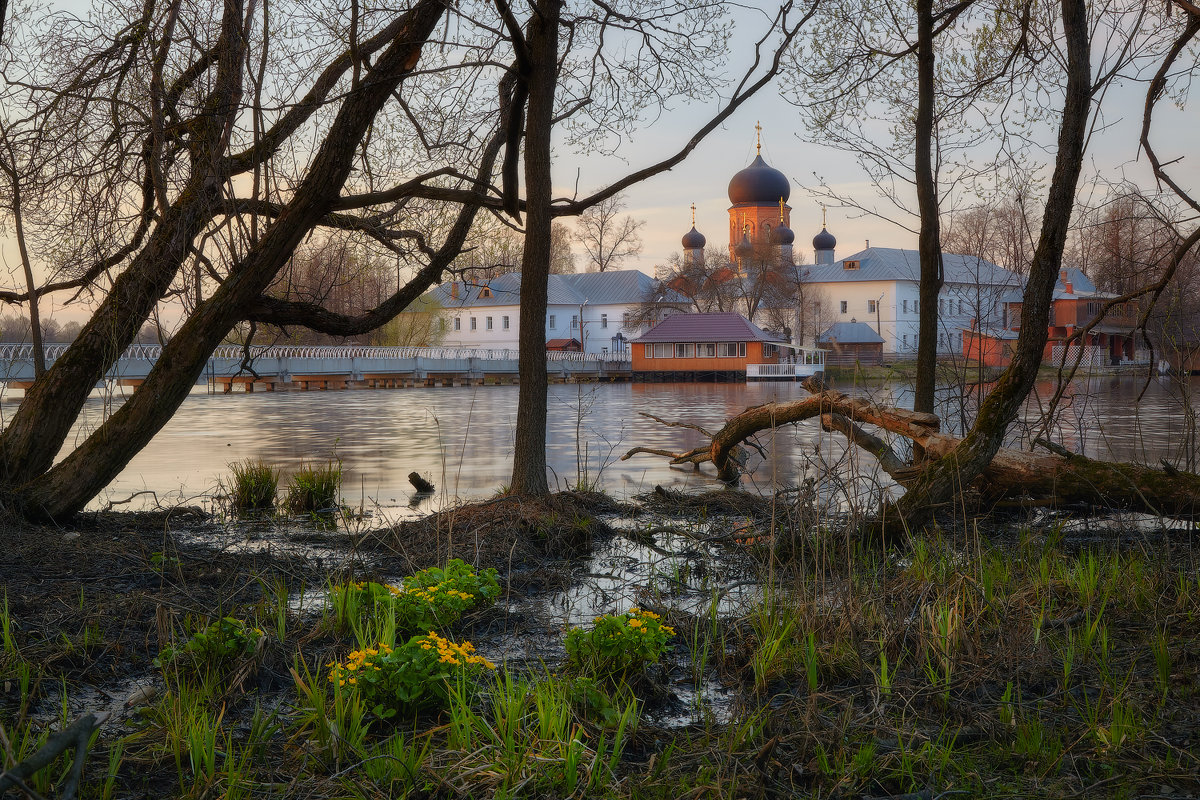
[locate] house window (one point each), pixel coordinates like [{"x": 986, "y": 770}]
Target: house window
[
  {"x": 574, "y": 321},
  {"x": 870, "y": 306},
  {"x": 960, "y": 307},
  {"x": 604, "y": 320},
  {"x": 663, "y": 350},
  {"x": 769, "y": 350},
  {"x": 941, "y": 306},
  {"x": 706, "y": 350},
  {"x": 649, "y": 351},
  {"x": 727, "y": 349},
  {"x": 441, "y": 324},
  {"x": 504, "y": 322},
  {"x": 485, "y": 292},
  {"x": 906, "y": 341},
  {"x": 625, "y": 320},
  {"x": 488, "y": 323},
  {"x": 844, "y": 306},
  {"x": 474, "y": 324},
  {"x": 551, "y": 324},
  {"x": 742, "y": 349},
  {"x": 458, "y": 323},
  {"x": 905, "y": 306},
  {"x": 850, "y": 264},
  {"x": 685, "y": 350}
]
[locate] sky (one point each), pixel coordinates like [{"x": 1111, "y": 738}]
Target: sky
[{"x": 664, "y": 202}]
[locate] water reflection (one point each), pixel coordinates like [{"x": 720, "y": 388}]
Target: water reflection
[{"x": 463, "y": 438}]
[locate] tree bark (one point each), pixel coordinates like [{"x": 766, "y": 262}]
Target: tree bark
[
  {"x": 529, "y": 447},
  {"x": 929, "y": 242}
]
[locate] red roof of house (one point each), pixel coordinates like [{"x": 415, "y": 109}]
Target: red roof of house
[
  {"x": 563, "y": 344},
  {"x": 720, "y": 327}
]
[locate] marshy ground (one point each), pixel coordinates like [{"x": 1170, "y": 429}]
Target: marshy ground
[{"x": 1014, "y": 657}]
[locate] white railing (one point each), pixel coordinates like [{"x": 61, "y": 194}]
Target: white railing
[
  {"x": 1090, "y": 357},
  {"x": 151, "y": 352}
]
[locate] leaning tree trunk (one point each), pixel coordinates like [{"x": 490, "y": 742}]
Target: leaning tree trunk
[
  {"x": 74, "y": 481},
  {"x": 961, "y": 465},
  {"x": 1010, "y": 473},
  {"x": 529, "y": 447}
]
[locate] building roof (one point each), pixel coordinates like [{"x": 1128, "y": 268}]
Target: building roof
[
  {"x": 824, "y": 240},
  {"x": 693, "y": 239},
  {"x": 592, "y": 288},
  {"x": 993, "y": 332},
  {"x": 1081, "y": 287},
  {"x": 718, "y": 327},
  {"x": 850, "y": 333},
  {"x": 894, "y": 264}
]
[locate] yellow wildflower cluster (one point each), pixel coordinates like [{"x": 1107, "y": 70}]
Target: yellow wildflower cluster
[
  {"x": 639, "y": 616},
  {"x": 453, "y": 654},
  {"x": 357, "y": 662},
  {"x": 430, "y": 593}
]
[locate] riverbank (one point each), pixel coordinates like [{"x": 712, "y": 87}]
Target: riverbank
[{"x": 997, "y": 658}]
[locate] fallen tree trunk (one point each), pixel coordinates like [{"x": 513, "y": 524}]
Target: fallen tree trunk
[{"x": 1066, "y": 478}]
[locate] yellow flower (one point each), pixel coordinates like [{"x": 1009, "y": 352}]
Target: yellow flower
[{"x": 635, "y": 623}]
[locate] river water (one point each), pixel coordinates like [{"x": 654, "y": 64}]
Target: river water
[{"x": 462, "y": 438}]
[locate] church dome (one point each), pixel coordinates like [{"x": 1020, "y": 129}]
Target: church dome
[
  {"x": 759, "y": 184},
  {"x": 783, "y": 235},
  {"x": 745, "y": 247},
  {"x": 693, "y": 239},
  {"x": 824, "y": 240}
]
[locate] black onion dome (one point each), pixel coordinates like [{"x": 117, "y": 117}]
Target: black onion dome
[
  {"x": 824, "y": 241},
  {"x": 693, "y": 239},
  {"x": 783, "y": 235},
  {"x": 760, "y": 184},
  {"x": 744, "y": 247}
]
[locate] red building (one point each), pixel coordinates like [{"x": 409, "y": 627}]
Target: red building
[
  {"x": 1076, "y": 304},
  {"x": 713, "y": 347}
]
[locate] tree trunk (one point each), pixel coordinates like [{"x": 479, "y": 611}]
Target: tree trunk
[
  {"x": 529, "y": 448},
  {"x": 929, "y": 243},
  {"x": 67, "y": 487},
  {"x": 938, "y": 484}
]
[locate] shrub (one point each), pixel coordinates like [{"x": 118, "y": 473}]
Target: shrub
[
  {"x": 315, "y": 488},
  {"x": 214, "y": 647},
  {"x": 432, "y": 599},
  {"x": 419, "y": 674},
  {"x": 254, "y": 485},
  {"x": 617, "y": 644}
]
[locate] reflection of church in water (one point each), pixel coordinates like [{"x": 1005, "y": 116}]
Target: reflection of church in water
[{"x": 759, "y": 221}]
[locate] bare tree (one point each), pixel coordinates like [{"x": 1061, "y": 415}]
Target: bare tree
[{"x": 607, "y": 237}]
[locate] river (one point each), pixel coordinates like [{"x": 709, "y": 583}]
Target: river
[{"x": 461, "y": 438}]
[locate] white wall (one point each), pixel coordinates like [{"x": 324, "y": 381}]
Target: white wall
[{"x": 600, "y": 324}]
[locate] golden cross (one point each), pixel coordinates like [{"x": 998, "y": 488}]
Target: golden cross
[
  {"x": 758, "y": 135},
  {"x": 781, "y": 211},
  {"x": 693, "y": 215},
  {"x": 822, "y": 216}
]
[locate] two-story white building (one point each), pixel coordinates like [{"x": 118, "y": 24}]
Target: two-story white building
[
  {"x": 596, "y": 312},
  {"x": 880, "y": 286}
]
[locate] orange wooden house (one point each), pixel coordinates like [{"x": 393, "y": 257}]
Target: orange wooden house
[{"x": 704, "y": 347}]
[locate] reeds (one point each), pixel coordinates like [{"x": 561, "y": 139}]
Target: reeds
[
  {"x": 254, "y": 484},
  {"x": 315, "y": 488}
]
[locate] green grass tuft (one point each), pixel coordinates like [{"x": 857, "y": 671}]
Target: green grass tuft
[
  {"x": 315, "y": 488},
  {"x": 254, "y": 485}
]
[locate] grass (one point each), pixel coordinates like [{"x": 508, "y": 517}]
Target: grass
[
  {"x": 254, "y": 484},
  {"x": 1012, "y": 667},
  {"x": 315, "y": 488}
]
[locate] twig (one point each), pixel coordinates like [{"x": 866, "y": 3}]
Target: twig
[{"x": 74, "y": 736}]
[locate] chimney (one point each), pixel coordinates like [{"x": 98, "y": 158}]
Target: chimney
[
  {"x": 454, "y": 290},
  {"x": 972, "y": 323},
  {"x": 1066, "y": 281}
]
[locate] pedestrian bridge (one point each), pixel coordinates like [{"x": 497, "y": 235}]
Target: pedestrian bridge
[{"x": 302, "y": 367}]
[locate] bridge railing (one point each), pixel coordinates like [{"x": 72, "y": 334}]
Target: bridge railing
[{"x": 10, "y": 352}]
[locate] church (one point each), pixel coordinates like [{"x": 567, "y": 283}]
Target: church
[{"x": 877, "y": 286}]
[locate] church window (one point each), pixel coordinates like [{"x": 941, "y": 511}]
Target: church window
[
  {"x": 504, "y": 322},
  {"x": 488, "y": 323},
  {"x": 485, "y": 292},
  {"x": 843, "y": 306},
  {"x": 604, "y": 320},
  {"x": 458, "y": 323},
  {"x": 850, "y": 263},
  {"x": 550, "y": 323},
  {"x": 905, "y": 306},
  {"x": 871, "y": 307},
  {"x": 474, "y": 324}
]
